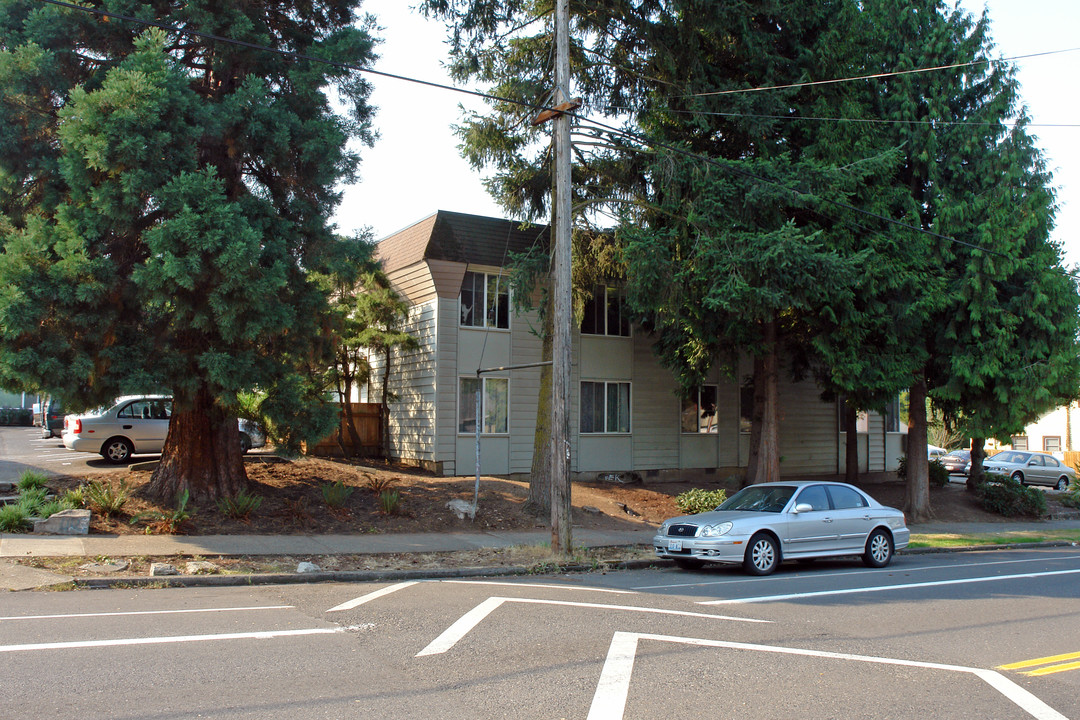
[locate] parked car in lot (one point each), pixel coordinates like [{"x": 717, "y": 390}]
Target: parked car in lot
[
  {"x": 933, "y": 452},
  {"x": 1030, "y": 468},
  {"x": 957, "y": 462},
  {"x": 762, "y": 525},
  {"x": 135, "y": 425},
  {"x": 52, "y": 419}
]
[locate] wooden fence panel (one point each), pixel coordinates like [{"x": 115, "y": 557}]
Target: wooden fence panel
[{"x": 366, "y": 422}]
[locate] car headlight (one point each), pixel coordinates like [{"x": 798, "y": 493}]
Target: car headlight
[
  {"x": 714, "y": 530},
  {"x": 664, "y": 527}
]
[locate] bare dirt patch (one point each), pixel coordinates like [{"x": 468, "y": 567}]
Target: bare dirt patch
[{"x": 293, "y": 502}]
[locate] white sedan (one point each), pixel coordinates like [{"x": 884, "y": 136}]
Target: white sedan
[
  {"x": 762, "y": 525},
  {"x": 134, "y": 425}
]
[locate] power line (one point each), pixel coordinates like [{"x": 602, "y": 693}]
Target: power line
[{"x": 488, "y": 96}]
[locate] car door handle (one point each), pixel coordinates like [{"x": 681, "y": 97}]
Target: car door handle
[
  {"x": 126, "y": 427},
  {"x": 826, "y": 520}
]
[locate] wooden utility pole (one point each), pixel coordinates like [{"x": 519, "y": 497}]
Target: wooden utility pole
[{"x": 561, "y": 535}]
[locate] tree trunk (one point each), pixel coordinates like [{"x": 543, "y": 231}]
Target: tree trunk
[
  {"x": 766, "y": 447},
  {"x": 917, "y": 507},
  {"x": 978, "y": 454},
  {"x": 539, "y": 500},
  {"x": 851, "y": 455},
  {"x": 201, "y": 454}
]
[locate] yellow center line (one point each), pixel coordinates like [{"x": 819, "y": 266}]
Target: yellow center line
[
  {"x": 1054, "y": 669},
  {"x": 1040, "y": 661}
]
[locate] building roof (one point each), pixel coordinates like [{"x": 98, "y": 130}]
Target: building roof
[{"x": 459, "y": 237}]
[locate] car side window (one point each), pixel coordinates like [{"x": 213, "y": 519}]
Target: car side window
[
  {"x": 816, "y": 496},
  {"x": 131, "y": 410},
  {"x": 1051, "y": 461},
  {"x": 844, "y": 498},
  {"x": 1035, "y": 460}
]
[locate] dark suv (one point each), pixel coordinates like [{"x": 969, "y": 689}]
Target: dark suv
[{"x": 52, "y": 419}]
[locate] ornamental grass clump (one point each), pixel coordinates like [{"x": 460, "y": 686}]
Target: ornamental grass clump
[
  {"x": 14, "y": 518},
  {"x": 336, "y": 493},
  {"x": 389, "y": 502},
  {"x": 31, "y": 480}
]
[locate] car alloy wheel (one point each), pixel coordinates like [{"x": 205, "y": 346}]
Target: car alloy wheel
[
  {"x": 762, "y": 555},
  {"x": 1018, "y": 477},
  {"x": 1062, "y": 483},
  {"x": 117, "y": 450},
  {"x": 879, "y": 549}
]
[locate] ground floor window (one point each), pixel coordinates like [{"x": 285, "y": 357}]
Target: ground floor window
[
  {"x": 1019, "y": 442},
  {"x": 605, "y": 407},
  {"x": 494, "y": 405},
  {"x": 699, "y": 410},
  {"x": 1052, "y": 443}
]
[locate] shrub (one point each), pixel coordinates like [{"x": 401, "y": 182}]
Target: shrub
[
  {"x": 378, "y": 485},
  {"x": 32, "y": 500},
  {"x": 336, "y": 493},
  {"x": 74, "y": 499},
  {"x": 14, "y": 518},
  {"x": 30, "y": 480},
  {"x": 105, "y": 498},
  {"x": 1007, "y": 497},
  {"x": 49, "y": 508},
  {"x": 389, "y": 501},
  {"x": 697, "y": 500},
  {"x": 936, "y": 472},
  {"x": 240, "y": 506}
]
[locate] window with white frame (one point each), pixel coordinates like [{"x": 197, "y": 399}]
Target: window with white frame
[
  {"x": 605, "y": 313},
  {"x": 1052, "y": 443},
  {"x": 494, "y": 405},
  {"x": 699, "y": 411},
  {"x": 485, "y": 300},
  {"x": 605, "y": 407}
]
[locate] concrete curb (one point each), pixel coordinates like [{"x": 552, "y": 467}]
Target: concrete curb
[{"x": 188, "y": 581}]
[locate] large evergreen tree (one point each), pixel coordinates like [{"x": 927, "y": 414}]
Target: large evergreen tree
[{"x": 164, "y": 197}]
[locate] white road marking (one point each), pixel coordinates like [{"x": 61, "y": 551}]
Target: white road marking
[
  {"x": 265, "y": 635},
  {"x": 885, "y": 588},
  {"x": 471, "y": 619},
  {"x": 810, "y": 574},
  {"x": 540, "y": 585},
  {"x": 355, "y": 602},
  {"x": 145, "y": 612},
  {"x": 609, "y": 701}
]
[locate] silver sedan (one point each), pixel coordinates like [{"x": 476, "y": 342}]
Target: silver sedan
[
  {"x": 762, "y": 525},
  {"x": 1031, "y": 468}
]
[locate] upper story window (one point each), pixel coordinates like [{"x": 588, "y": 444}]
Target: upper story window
[
  {"x": 605, "y": 313},
  {"x": 485, "y": 301}
]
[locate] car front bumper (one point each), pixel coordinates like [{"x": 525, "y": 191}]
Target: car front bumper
[{"x": 723, "y": 549}]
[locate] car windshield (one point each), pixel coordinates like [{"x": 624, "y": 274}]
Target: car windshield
[
  {"x": 770, "y": 498},
  {"x": 1010, "y": 456}
]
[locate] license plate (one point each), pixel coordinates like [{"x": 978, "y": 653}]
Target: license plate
[{"x": 674, "y": 545}]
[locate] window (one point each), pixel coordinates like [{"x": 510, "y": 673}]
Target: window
[
  {"x": 494, "y": 406},
  {"x": 605, "y": 313},
  {"x": 862, "y": 419},
  {"x": 1052, "y": 443},
  {"x": 699, "y": 411},
  {"x": 844, "y": 498},
  {"x": 1019, "y": 442},
  {"x": 485, "y": 301},
  {"x": 146, "y": 410},
  {"x": 746, "y": 407},
  {"x": 816, "y": 496},
  {"x": 892, "y": 415},
  {"x": 605, "y": 407}
]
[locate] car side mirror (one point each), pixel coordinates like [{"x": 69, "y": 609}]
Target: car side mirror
[
  {"x": 1031, "y": 462},
  {"x": 804, "y": 507}
]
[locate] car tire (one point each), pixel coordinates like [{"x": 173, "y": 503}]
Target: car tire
[
  {"x": 879, "y": 549},
  {"x": 1018, "y": 477},
  {"x": 117, "y": 450},
  {"x": 245, "y": 443},
  {"x": 689, "y": 563},
  {"x": 762, "y": 555},
  {"x": 1062, "y": 483}
]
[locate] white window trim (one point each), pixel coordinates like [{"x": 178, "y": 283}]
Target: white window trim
[
  {"x": 606, "y": 432},
  {"x": 509, "y": 303},
  {"x": 483, "y": 406}
]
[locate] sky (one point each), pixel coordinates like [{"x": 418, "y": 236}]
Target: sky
[{"x": 415, "y": 167}]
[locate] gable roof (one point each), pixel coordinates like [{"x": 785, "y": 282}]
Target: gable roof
[{"x": 458, "y": 237}]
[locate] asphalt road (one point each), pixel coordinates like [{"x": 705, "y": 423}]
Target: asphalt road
[
  {"x": 23, "y": 448},
  {"x": 932, "y": 636}
]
